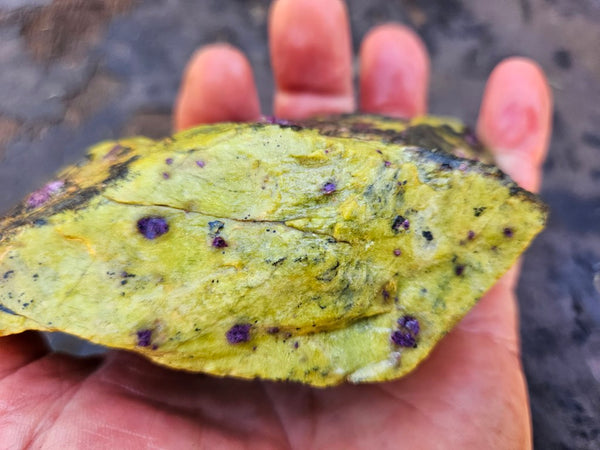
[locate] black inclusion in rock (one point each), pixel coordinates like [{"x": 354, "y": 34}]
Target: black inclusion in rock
[{"x": 400, "y": 222}]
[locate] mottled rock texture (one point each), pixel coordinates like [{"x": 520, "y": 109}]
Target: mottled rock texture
[{"x": 112, "y": 67}]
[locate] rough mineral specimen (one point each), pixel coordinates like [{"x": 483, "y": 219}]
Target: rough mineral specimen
[{"x": 321, "y": 252}]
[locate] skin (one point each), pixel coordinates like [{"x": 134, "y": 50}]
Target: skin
[{"x": 470, "y": 393}]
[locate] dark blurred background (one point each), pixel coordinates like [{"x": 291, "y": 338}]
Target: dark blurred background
[{"x": 73, "y": 72}]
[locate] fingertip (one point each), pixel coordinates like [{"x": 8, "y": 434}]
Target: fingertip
[
  {"x": 515, "y": 118},
  {"x": 311, "y": 56},
  {"x": 394, "y": 72},
  {"x": 217, "y": 86}
]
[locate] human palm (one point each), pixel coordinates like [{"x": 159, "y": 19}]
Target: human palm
[{"x": 470, "y": 392}]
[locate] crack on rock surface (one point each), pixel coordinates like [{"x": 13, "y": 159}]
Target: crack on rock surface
[{"x": 283, "y": 223}]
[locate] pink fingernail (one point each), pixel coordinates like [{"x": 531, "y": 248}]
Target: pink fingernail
[{"x": 514, "y": 122}]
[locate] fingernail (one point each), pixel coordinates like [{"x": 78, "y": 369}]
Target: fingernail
[
  {"x": 394, "y": 72},
  {"x": 514, "y": 122}
]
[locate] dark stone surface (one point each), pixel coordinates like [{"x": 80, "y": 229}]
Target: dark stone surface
[{"x": 78, "y": 71}]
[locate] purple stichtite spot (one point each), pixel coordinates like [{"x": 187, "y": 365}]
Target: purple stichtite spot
[
  {"x": 166, "y": 175},
  {"x": 508, "y": 232},
  {"x": 387, "y": 163},
  {"x": 296, "y": 344},
  {"x": 329, "y": 188},
  {"x": 397, "y": 252},
  {"x": 169, "y": 161},
  {"x": 386, "y": 294},
  {"x": 219, "y": 242},
  {"x": 471, "y": 235},
  {"x": 403, "y": 339},
  {"x": 409, "y": 323},
  {"x": 41, "y": 196},
  {"x": 458, "y": 270},
  {"x": 400, "y": 222},
  {"x": 239, "y": 333},
  {"x": 200, "y": 163},
  {"x": 144, "y": 338},
  {"x": 379, "y": 151},
  {"x": 152, "y": 227},
  {"x": 273, "y": 330}
]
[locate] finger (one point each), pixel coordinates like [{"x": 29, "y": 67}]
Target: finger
[
  {"x": 18, "y": 350},
  {"x": 515, "y": 119},
  {"x": 311, "y": 56},
  {"x": 496, "y": 315},
  {"x": 394, "y": 72},
  {"x": 515, "y": 122},
  {"x": 218, "y": 86}
]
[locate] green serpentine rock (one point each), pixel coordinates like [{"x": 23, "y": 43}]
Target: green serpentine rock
[{"x": 337, "y": 250}]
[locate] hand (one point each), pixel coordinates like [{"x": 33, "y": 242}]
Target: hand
[{"x": 470, "y": 393}]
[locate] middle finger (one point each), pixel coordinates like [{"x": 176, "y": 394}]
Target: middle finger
[{"x": 311, "y": 55}]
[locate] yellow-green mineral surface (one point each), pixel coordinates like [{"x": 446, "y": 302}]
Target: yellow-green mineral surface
[{"x": 328, "y": 251}]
